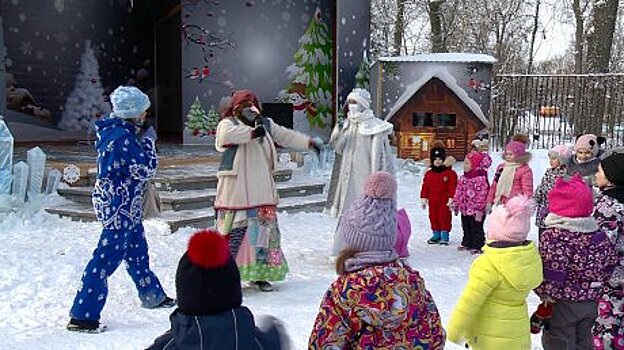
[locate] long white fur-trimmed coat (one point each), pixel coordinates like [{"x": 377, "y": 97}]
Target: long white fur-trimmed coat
[{"x": 365, "y": 148}]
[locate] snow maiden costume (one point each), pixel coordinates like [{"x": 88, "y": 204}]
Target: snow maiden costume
[
  {"x": 377, "y": 301},
  {"x": 210, "y": 314},
  {"x": 363, "y": 142},
  {"x": 125, "y": 164},
  {"x": 246, "y": 200}
]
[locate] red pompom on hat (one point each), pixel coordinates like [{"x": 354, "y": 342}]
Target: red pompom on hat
[
  {"x": 207, "y": 279},
  {"x": 208, "y": 249}
]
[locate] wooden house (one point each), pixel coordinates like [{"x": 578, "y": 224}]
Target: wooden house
[
  {"x": 435, "y": 108},
  {"x": 428, "y": 97}
]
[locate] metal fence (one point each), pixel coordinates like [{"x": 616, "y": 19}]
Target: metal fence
[{"x": 553, "y": 109}]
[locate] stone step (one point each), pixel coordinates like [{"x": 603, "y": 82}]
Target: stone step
[
  {"x": 180, "y": 180},
  {"x": 199, "y": 218},
  {"x": 197, "y": 199}
]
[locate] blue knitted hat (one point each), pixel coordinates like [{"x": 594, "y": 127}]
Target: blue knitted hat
[
  {"x": 129, "y": 102},
  {"x": 370, "y": 223}
]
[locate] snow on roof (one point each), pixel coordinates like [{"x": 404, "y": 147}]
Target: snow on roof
[
  {"x": 449, "y": 81},
  {"x": 442, "y": 57}
]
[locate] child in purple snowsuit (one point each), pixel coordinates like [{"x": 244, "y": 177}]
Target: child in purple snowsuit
[
  {"x": 470, "y": 200},
  {"x": 608, "y": 330},
  {"x": 578, "y": 259}
]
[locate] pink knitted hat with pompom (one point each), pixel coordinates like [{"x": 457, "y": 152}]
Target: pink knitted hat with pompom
[
  {"x": 475, "y": 158},
  {"x": 370, "y": 223},
  {"x": 511, "y": 222},
  {"x": 517, "y": 148}
]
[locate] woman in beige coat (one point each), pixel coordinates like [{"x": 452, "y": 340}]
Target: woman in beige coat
[{"x": 246, "y": 201}]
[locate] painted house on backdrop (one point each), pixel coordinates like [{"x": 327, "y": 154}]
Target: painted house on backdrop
[{"x": 429, "y": 97}]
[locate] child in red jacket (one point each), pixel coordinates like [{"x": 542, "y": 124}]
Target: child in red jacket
[{"x": 437, "y": 192}]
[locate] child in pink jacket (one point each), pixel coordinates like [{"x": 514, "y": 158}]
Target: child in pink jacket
[
  {"x": 513, "y": 177},
  {"x": 470, "y": 200}
]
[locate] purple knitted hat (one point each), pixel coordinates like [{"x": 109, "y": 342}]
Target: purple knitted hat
[{"x": 370, "y": 223}]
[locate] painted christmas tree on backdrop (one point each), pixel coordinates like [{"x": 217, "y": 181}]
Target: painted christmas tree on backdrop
[
  {"x": 311, "y": 75},
  {"x": 86, "y": 103},
  {"x": 363, "y": 74},
  {"x": 200, "y": 123}
]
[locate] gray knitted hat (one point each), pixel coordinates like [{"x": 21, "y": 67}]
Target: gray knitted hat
[{"x": 370, "y": 223}]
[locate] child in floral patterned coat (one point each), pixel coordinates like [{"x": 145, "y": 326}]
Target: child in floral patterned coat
[
  {"x": 608, "y": 330},
  {"x": 578, "y": 259},
  {"x": 377, "y": 301},
  {"x": 559, "y": 158},
  {"x": 470, "y": 200}
]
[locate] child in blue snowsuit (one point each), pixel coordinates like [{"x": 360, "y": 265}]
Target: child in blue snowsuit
[{"x": 125, "y": 163}]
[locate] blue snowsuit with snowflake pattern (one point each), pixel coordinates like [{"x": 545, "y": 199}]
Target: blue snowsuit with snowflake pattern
[{"x": 125, "y": 164}]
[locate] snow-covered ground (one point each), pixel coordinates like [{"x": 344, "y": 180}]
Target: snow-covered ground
[{"x": 41, "y": 261}]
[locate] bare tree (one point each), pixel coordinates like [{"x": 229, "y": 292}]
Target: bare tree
[
  {"x": 435, "y": 18},
  {"x": 399, "y": 27},
  {"x": 533, "y": 35},
  {"x": 600, "y": 37}
]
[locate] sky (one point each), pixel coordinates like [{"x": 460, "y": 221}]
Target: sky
[{"x": 554, "y": 37}]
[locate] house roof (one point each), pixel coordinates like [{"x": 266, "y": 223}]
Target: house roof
[
  {"x": 443, "y": 57},
  {"x": 449, "y": 81}
]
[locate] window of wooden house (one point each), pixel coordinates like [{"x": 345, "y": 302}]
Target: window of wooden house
[
  {"x": 445, "y": 120},
  {"x": 420, "y": 119}
]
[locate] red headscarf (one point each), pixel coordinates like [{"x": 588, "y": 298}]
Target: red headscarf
[{"x": 238, "y": 98}]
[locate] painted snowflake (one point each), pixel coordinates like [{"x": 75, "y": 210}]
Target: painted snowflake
[
  {"x": 26, "y": 48},
  {"x": 71, "y": 174}
]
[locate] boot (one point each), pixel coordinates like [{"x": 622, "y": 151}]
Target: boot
[
  {"x": 95, "y": 327},
  {"x": 263, "y": 286},
  {"x": 167, "y": 303},
  {"x": 444, "y": 238},
  {"x": 435, "y": 238}
]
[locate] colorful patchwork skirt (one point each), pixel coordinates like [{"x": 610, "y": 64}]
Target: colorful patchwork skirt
[{"x": 255, "y": 240}]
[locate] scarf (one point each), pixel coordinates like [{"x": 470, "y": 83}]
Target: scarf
[
  {"x": 616, "y": 192},
  {"x": 505, "y": 181},
  {"x": 583, "y": 225},
  {"x": 475, "y": 173},
  {"x": 367, "y": 124},
  {"x": 367, "y": 259}
]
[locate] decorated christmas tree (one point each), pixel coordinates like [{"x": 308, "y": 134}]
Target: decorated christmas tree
[
  {"x": 213, "y": 120},
  {"x": 197, "y": 120},
  {"x": 312, "y": 70},
  {"x": 86, "y": 103},
  {"x": 363, "y": 74}
]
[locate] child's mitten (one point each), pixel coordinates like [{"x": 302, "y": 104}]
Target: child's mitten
[{"x": 541, "y": 317}]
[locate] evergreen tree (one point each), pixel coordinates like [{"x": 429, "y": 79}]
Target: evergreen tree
[
  {"x": 197, "y": 120},
  {"x": 86, "y": 103},
  {"x": 313, "y": 68},
  {"x": 363, "y": 74},
  {"x": 212, "y": 120}
]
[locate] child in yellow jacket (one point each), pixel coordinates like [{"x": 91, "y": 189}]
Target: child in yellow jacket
[{"x": 491, "y": 313}]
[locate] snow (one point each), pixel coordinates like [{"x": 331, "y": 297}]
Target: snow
[
  {"x": 449, "y": 81},
  {"x": 42, "y": 259},
  {"x": 443, "y": 57}
]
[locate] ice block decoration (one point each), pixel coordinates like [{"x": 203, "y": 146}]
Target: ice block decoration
[
  {"x": 35, "y": 158},
  {"x": 71, "y": 174},
  {"x": 6, "y": 158},
  {"x": 20, "y": 181},
  {"x": 54, "y": 178}
]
